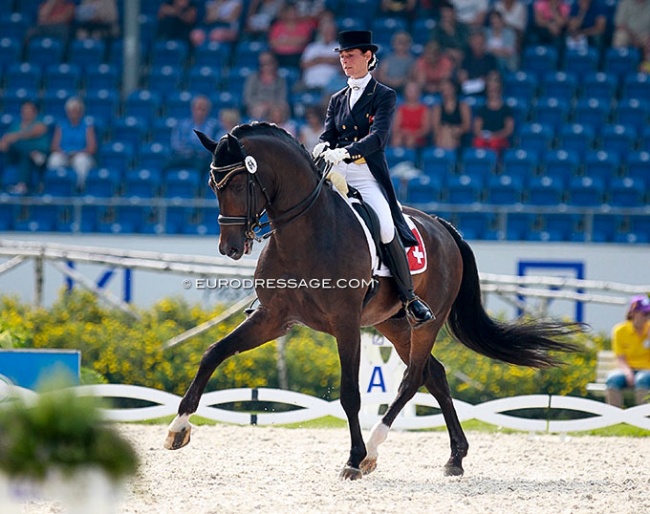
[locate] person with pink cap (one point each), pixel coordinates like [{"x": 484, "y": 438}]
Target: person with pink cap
[{"x": 631, "y": 345}]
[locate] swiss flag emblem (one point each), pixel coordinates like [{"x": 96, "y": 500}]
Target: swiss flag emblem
[{"x": 417, "y": 255}]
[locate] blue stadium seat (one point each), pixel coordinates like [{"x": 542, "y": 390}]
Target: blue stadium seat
[
  {"x": 204, "y": 223},
  {"x": 585, "y": 192},
  {"x": 562, "y": 227},
  {"x": 87, "y": 53},
  {"x": 421, "y": 31},
  {"x": 41, "y": 218},
  {"x": 246, "y": 53},
  {"x": 13, "y": 98},
  {"x": 101, "y": 76},
  {"x": 14, "y": 25},
  {"x": 637, "y": 86},
  {"x": 438, "y": 162},
  {"x": 633, "y": 112},
  {"x": 236, "y": 78},
  {"x": 23, "y": 75},
  {"x": 520, "y": 85},
  {"x": 518, "y": 225},
  {"x": 164, "y": 78},
  {"x": 562, "y": 164},
  {"x": 546, "y": 190},
  {"x": 8, "y": 215},
  {"x": 177, "y": 104},
  {"x": 397, "y": 154},
  {"x": 170, "y": 52},
  {"x": 212, "y": 53},
  {"x": 605, "y": 227},
  {"x": 62, "y": 76},
  {"x": 504, "y": 190},
  {"x": 129, "y": 130},
  {"x": 154, "y": 155},
  {"x": 599, "y": 85},
  {"x": 60, "y": 182},
  {"x": 560, "y": 84},
  {"x": 383, "y": 29},
  {"x": 520, "y": 162},
  {"x": 581, "y": 62},
  {"x": 142, "y": 103},
  {"x": 102, "y": 183},
  {"x": 133, "y": 219},
  {"x": 364, "y": 10},
  {"x": 621, "y": 61},
  {"x": 161, "y": 129},
  {"x": 424, "y": 189},
  {"x": 142, "y": 183},
  {"x": 601, "y": 164},
  {"x": 591, "y": 111},
  {"x": 102, "y": 104},
  {"x": 551, "y": 110},
  {"x": 116, "y": 156},
  {"x": 177, "y": 218},
  {"x": 626, "y": 192},
  {"x": 45, "y": 51},
  {"x": 540, "y": 59},
  {"x": 54, "y": 100},
  {"x": 9, "y": 52},
  {"x": 478, "y": 162},
  {"x": 520, "y": 109},
  {"x": 536, "y": 137},
  {"x": 204, "y": 79},
  {"x": 181, "y": 184},
  {"x": 474, "y": 225},
  {"x": 639, "y": 229},
  {"x": 619, "y": 139},
  {"x": 115, "y": 54},
  {"x": 638, "y": 165},
  {"x": 465, "y": 189},
  {"x": 577, "y": 137}
]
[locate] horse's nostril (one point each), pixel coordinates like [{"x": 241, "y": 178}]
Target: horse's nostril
[{"x": 233, "y": 252}]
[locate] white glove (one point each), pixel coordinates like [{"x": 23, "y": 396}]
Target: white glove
[
  {"x": 319, "y": 149},
  {"x": 335, "y": 155}
]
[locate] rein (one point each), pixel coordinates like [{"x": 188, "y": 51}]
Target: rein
[{"x": 251, "y": 221}]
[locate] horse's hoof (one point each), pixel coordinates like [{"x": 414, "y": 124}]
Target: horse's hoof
[
  {"x": 368, "y": 465},
  {"x": 453, "y": 471},
  {"x": 350, "y": 473},
  {"x": 176, "y": 440}
]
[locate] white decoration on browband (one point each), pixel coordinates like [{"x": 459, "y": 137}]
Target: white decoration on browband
[{"x": 250, "y": 163}]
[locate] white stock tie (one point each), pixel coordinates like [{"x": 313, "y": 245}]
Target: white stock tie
[{"x": 357, "y": 86}]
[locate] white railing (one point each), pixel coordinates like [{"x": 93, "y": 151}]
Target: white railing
[{"x": 309, "y": 408}]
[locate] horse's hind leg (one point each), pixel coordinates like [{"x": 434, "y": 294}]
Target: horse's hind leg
[
  {"x": 260, "y": 327},
  {"x": 436, "y": 383}
]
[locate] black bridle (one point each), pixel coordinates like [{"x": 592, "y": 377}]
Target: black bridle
[{"x": 251, "y": 221}]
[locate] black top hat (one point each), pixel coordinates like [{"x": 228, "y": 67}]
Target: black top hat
[{"x": 361, "y": 39}]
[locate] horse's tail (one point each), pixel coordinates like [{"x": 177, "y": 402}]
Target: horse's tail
[{"x": 524, "y": 343}]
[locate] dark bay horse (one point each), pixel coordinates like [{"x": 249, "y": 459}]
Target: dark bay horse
[{"x": 315, "y": 235}]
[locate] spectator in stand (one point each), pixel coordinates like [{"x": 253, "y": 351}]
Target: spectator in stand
[
  {"x": 264, "y": 88},
  {"x": 319, "y": 62},
  {"x": 412, "y": 119},
  {"x": 631, "y": 345},
  {"x": 451, "y": 118},
  {"x": 260, "y": 15},
  {"x": 54, "y": 19},
  {"x": 477, "y": 65},
  {"x": 310, "y": 132},
  {"x": 632, "y": 23},
  {"x": 515, "y": 16},
  {"x": 186, "y": 149},
  {"x": 228, "y": 120},
  {"x": 279, "y": 114},
  {"x": 394, "y": 69},
  {"x": 97, "y": 19},
  {"x": 288, "y": 37},
  {"x": 431, "y": 68},
  {"x": 26, "y": 144},
  {"x": 313, "y": 11},
  {"x": 405, "y": 9},
  {"x": 551, "y": 20},
  {"x": 587, "y": 24},
  {"x": 176, "y": 19},
  {"x": 644, "y": 66},
  {"x": 220, "y": 23},
  {"x": 494, "y": 123},
  {"x": 450, "y": 34},
  {"x": 471, "y": 12},
  {"x": 74, "y": 142},
  {"x": 501, "y": 42}
]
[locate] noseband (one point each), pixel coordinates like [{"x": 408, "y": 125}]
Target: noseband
[{"x": 251, "y": 221}]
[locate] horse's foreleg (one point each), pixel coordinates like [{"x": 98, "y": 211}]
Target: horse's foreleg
[
  {"x": 436, "y": 383},
  {"x": 256, "y": 330},
  {"x": 349, "y": 347}
]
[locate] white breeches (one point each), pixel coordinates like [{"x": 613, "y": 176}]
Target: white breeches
[
  {"x": 81, "y": 163},
  {"x": 360, "y": 177}
]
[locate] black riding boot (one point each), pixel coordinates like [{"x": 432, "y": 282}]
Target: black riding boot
[{"x": 417, "y": 311}]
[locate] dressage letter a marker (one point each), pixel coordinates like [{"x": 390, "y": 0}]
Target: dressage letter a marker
[{"x": 377, "y": 380}]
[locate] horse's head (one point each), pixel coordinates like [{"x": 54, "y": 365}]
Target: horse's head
[{"x": 242, "y": 199}]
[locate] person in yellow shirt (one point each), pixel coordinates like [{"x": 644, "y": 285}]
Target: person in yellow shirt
[{"x": 631, "y": 345}]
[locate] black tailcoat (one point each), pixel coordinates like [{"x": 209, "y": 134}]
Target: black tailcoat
[{"x": 364, "y": 132}]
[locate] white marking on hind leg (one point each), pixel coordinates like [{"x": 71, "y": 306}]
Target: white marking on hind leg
[
  {"x": 378, "y": 435},
  {"x": 179, "y": 423}
]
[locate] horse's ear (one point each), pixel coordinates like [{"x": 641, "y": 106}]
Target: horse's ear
[
  {"x": 234, "y": 147},
  {"x": 208, "y": 143}
]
